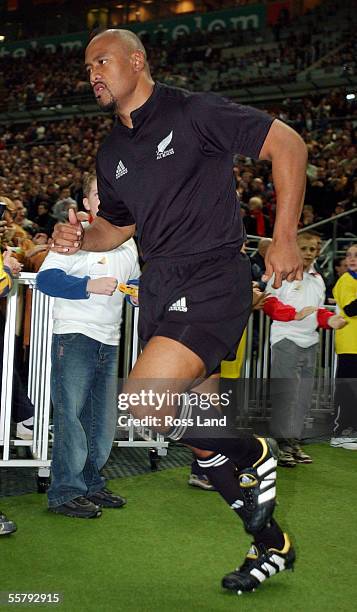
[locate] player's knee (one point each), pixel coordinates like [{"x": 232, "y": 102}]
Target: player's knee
[{"x": 200, "y": 453}]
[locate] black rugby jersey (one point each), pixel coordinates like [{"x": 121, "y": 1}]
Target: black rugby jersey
[{"x": 172, "y": 173}]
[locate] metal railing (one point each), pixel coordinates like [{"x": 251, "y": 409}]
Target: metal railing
[
  {"x": 255, "y": 399},
  {"x": 253, "y": 404},
  {"x": 39, "y": 380}
]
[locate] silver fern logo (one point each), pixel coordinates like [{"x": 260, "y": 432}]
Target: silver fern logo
[{"x": 162, "y": 150}]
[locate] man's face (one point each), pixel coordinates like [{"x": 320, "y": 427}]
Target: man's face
[
  {"x": 308, "y": 250},
  {"x": 257, "y": 185},
  {"x": 91, "y": 203},
  {"x": 111, "y": 72},
  {"x": 41, "y": 209},
  {"x": 65, "y": 193}
]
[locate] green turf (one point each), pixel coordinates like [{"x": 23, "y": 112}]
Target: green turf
[{"x": 168, "y": 549}]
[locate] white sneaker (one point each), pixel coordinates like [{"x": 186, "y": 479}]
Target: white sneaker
[
  {"x": 202, "y": 482},
  {"x": 24, "y": 432},
  {"x": 344, "y": 442}
]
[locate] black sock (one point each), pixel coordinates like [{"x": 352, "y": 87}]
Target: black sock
[
  {"x": 271, "y": 536},
  {"x": 221, "y": 472},
  {"x": 243, "y": 452}
]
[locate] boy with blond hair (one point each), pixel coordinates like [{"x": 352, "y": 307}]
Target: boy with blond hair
[
  {"x": 297, "y": 312},
  {"x": 84, "y": 376}
]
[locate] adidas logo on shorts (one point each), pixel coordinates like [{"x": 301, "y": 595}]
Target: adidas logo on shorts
[{"x": 180, "y": 305}]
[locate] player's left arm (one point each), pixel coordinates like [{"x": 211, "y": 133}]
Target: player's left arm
[{"x": 288, "y": 154}]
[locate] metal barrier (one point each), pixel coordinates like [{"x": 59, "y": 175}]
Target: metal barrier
[
  {"x": 39, "y": 377},
  {"x": 255, "y": 398},
  {"x": 39, "y": 380},
  {"x": 253, "y": 404},
  {"x": 131, "y": 352}
]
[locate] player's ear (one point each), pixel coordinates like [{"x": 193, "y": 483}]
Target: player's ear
[
  {"x": 86, "y": 203},
  {"x": 137, "y": 60}
]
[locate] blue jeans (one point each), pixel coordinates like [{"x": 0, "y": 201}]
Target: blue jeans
[{"x": 84, "y": 391}]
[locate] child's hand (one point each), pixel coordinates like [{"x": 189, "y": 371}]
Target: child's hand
[
  {"x": 131, "y": 291},
  {"x": 12, "y": 263},
  {"x": 106, "y": 285},
  {"x": 259, "y": 298},
  {"x": 337, "y": 322},
  {"x": 305, "y": 312}
]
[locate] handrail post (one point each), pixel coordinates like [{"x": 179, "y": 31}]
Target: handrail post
[{"x": 334, "y": 239}]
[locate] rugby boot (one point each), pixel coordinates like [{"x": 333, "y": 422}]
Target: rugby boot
[
  {"x": 260, "y": 563},
  {"x": 258, "y": 488}
]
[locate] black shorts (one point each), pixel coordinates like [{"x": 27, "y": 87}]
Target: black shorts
[{"x": 202, "y": 301}]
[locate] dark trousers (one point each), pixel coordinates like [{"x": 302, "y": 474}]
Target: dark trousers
[
  {"x": 22, "y": 407},
  {"x": 345, "y": 394}
]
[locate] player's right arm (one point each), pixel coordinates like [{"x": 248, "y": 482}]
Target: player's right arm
[{"x": 68, "y": 238}]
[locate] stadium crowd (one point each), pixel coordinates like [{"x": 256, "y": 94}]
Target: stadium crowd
[
  {"x": 42, "y": 165},
  {"x": 217, "y": 60}
]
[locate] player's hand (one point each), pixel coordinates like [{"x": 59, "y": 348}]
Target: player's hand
[
  {"x": 106, "y": 285},
  {"x": 337, "y": 322},
  {"x": 67, "y": 237},
  {"x": 11, "y": 262},
  {"x": 283, "y": 259},
  {"x": 305, "y": 312}
]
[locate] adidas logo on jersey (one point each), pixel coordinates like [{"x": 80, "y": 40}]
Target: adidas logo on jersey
[
  {"x": 162, "y": 150},
  {"x": 121, "y": 170},
  {"x": 180, "y": 305}
]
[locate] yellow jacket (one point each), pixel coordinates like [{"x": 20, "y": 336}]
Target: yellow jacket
[
  {"x": 345, "y": 292},
  {"x": 5, "y": 280}
]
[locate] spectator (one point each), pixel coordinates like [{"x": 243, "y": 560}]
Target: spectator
[
  {"x": 296, "y": 310},
  {"x": 256, "y": 223},
  {"x": 35, "y": 252},
  {"x": 258, "y": 260},
  {"x": 20, "y": 217},
  {"x": 343, "y": 224},
  {"x": 14, "y": 233},
  {"x": 8, "y": 266},
  {"x": 61, "y": 208},
  {"x": 345, "y": 294},
  {"x": 339, "y": 268},
  {"x": 44, "y": 220},
  {"x": 84, "y": 376},
  {"x": 307, "y": 216}
]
